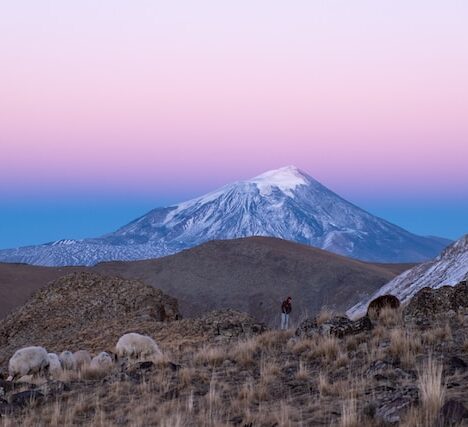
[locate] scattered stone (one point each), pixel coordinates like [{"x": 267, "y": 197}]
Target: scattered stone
[
  {"x": 369, "y": 410},
  {"x": 393, "y": 405},
  {"x": 455, "y": 364},
  {"x": 174, "y": 366},
  {"x": 5, "y": 407},
  {"x": 383, "y": 370},
  {"x": 379, "y": 303},
  {"x": 5, "y": 387},
  {"x": 25, "y": 398},
  {"x": 145, "y": 366},
  {"x": 230, "y": 324},
  {"x": 338, "y": 326},
  {"x": 453, "y": 413},
  {"x": 53, "y": 388}
]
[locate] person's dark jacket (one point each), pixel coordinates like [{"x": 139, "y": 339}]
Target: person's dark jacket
[{"x": 286, "y": 307}]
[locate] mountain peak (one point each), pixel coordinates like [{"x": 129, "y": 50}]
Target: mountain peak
[
  {"x": 286, "y": 203},
  {"x": 286, "y": 179}
]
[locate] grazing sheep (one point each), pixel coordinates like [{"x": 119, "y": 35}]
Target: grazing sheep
[
  {"x": 136, "y": 346},
  {"x": 55, "y": 367},
  {"x": 102, "y": 361},
  {"x": 67, "y": 361},
  {"x": 82, "y": 358},
  {"x": 28, "y": 361}
]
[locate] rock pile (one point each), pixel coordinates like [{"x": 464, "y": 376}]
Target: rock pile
[
  {"x": 338, "y": 326},
  {"x": 429, "y": 304}
]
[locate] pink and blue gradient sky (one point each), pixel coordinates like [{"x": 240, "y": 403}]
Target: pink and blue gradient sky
[{"x": 111, "y": 107}]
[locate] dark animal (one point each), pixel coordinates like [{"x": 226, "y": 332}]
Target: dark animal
[{"x": 379, "y": 303}]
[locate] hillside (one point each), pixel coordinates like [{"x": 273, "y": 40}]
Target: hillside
[
  {"x": 449, "y": 268},
  {"x": 251, "y": 275}
]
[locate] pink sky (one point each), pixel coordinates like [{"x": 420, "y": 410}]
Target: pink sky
[{"x": 148, "y": 96}]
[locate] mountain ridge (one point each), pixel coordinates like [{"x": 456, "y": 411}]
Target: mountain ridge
[
  {"x": 285, "y": 203},
  {"x": 251, "y": 274}
]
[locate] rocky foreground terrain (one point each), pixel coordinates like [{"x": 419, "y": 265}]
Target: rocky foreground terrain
[{"x": 405, "y": 366}]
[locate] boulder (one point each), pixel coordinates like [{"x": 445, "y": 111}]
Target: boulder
[
  {"x": 454, "y": 364},
  {"x": 25, "y": 398},
  {"x": 5, "y": 407},
  {"x": 453, "y": 413},
  {"x": 391, "y": 409},
  {"x": 338, "y": 326},
  {"x": 380, "y": 303}
]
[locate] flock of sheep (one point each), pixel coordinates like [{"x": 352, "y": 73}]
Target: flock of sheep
[{"x": 36, "y": 360}]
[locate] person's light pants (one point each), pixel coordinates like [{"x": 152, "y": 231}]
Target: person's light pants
[{"x": 284, "y": 321}]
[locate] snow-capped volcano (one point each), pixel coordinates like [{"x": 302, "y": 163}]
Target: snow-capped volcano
[
  {"x": 449, "y": 268},
  {"x": 285, "y": 203}
]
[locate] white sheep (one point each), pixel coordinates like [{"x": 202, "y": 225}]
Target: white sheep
[
  {"x": 28, "y": 361},
  {"x": 102, "y": 361},
  {"x": 82, "y": 358},
  {"x": 137, "y": 346},
  {"x": 55, "y": 367},
  {"x": 67, "y": 361}
]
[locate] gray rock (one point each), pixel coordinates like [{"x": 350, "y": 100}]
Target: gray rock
[
  {"x": 25, "y": 398},
  {"x": 379, "y": 303},
  {"x": 5, "y": 407},
  {"x": 391, "y": 407},
  {"x": 454, "y": 364},
  {"x": 338, "y": 326},
  {"x": 430, "y": 303},
  {"x": 453, "y": 413}
]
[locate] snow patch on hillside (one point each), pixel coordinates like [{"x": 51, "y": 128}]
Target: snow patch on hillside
[{"x": 449, "y": 268}]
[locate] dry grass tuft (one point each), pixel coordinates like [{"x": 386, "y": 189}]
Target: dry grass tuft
[
  {"x": 274, "y": 339},
  {"x": 437, "y": 335},
  {"x": 212, "y": 356},
  {"x": 390, "y": 317},
  {"x": 300, "y": 346},
  {"x": 324, "y": 315},
  {"x": 302, "y": 373},
  {"x": 404, "y": 346},
  {"x": 269, "y": 370},
  {"x": 327, "y": 347},
  {"x": 89, "y": 373},
  {"x": 349, "y": 414},
  {"x": 324, "y": 386},
  {"x": 244, "y": 352},
  {"x": 431, "y": 390}
]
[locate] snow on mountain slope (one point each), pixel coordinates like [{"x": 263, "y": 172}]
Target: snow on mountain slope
[
  {"x": 284, "y": 203},
  {"x": 449, "y": 268}
]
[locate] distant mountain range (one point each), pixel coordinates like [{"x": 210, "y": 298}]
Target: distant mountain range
[
  {"x": 449, "y": 268},
  {"x": 284, "y": 203}
]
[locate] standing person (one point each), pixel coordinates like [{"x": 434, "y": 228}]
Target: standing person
[{"x": 285, "y": 310}]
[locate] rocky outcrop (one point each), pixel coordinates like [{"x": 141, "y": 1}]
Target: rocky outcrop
[
  {"x": 224, "y": 325},
  {"x": 79, "y": 305},
  {"x": 429, "y": 304},
  {"x": 338, "y": 326},
  {"x": 448, "y": 269}
]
